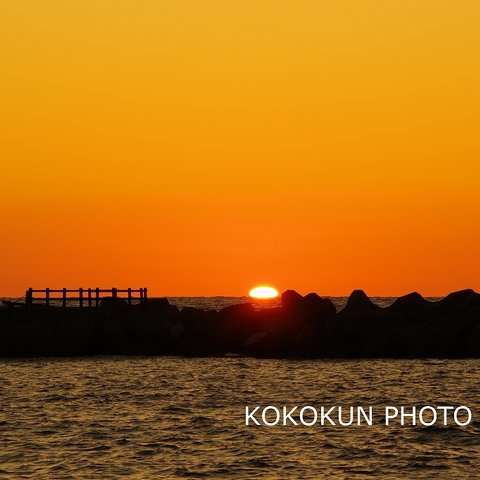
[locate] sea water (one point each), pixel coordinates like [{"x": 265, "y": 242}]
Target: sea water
[{"x": 171, "y": 417}]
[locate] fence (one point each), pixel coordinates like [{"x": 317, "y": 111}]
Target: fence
[{"x": 83, "y": 297}]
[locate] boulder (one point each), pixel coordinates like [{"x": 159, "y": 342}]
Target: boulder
[
  {"x": 473, "y": 343},
  {"x": 234, "y": 324},
  {"x": 319, "y": 307},
  {"x": 358, "y": 299},
  {"x": 255, "y": 339},
  {"x": 445, "y": 336},
  {"x": 263, "y": 344},
  {"x": 292, "y": 303},
  {"x": 157, "y": 304},
  {"x": 307, "y": 342},
  {"x": 303, "y": 326},
  {"x": 377, "y": 344},
  {"x": 300, "y": 310},
  {"x": 269, "y": 319},
  {"x": 113, "y": 304},
  {"x": 411, "y": 307},
  {"x": 474, "y": 300},
  {"x": 197, "y": 321},
  {"x": 176, "y": 330},
  {"x": 455, "y": 300},
  {"x": 341, "y": 344},
  {"x": 192, "y": 345}
]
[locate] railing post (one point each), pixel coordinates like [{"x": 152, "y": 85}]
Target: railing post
[
  {"x": 81, "y": 296},
  {"x": 29, "y": 297}
]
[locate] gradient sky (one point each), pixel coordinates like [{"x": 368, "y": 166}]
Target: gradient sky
[{"x": 203, "y": 147}]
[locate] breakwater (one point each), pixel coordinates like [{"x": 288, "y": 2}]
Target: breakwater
[{"x": 303, "y": 326}]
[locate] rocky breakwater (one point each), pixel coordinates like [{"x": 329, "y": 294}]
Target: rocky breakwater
[{"x": 305, "y": 326}]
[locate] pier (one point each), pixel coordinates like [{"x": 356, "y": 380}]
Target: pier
[{"x": 81, "y": 297}]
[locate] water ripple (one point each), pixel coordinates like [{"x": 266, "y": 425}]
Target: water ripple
[{"x": 144, "y": 418}]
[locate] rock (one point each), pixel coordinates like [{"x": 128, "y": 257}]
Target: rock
[
  {"x": 157, "y": 303},
  {"x": 292, "y": 302},
  {"x": 412, "y": 302},
  {"x": 177, "y": 330},
  {"x": 111, "y": 303},
  {"x": 234, "y": 324},
  {"x": 192, "y": 345},
  {"x": 197, "y": 321},
  {"x": 446, "y": 336},
  {"x": 359, "y": 299},
  {"x": 239, "y": 311},
  {"x": 474, "y": 300},
  {"x": 453, "y": 304},
  {"x": 412, "y": 307},
  {"x": 299, "y": 310},
  {"x": 473, "y": 343},
  {"x": 341, "y": 344},
  {"x": 318, "y": 306},
  {"x": 269, "y": 319},
  {"x": 308, "y": 340},
  {"x": 304, "y": 323},
  {"x": 256, "y": 338},
  {"x": 361, "y": 315},
  {"x": 276, "y": 344},
  {"x": 455, "y": 300},
  {"x": 377, "y": 344},
  {"x": 303, "y": 326}
]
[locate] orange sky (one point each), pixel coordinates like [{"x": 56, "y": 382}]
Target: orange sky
[{"x": 201, "y": 148}]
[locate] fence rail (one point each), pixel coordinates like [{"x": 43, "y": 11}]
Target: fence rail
[{"x": 85, "y": 297}]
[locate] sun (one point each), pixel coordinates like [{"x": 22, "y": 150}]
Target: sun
[{"x": 263, "y": 292}]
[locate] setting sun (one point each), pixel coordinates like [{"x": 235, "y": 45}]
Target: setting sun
[{"x": 263, "y": 292}]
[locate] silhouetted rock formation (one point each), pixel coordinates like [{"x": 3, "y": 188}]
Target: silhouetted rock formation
[
  {"x": 306, "y": 326},
  {"x": 358, "y": 299},
  {"x": 412, "y": 307}
]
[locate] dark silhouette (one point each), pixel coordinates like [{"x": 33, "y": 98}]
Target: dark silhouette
[
  {"x": 82, "y": 296},
  {"x": 305, "y": 326}
]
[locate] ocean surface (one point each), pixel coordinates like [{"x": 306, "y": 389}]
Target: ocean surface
[
  {"x": 169, "y": 417},
  {"x": 217, "y": 303}
]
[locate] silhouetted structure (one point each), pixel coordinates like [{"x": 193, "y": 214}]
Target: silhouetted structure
[
  {"x": 86, "y": 297},
  {"x": 304, "y": 326}
]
